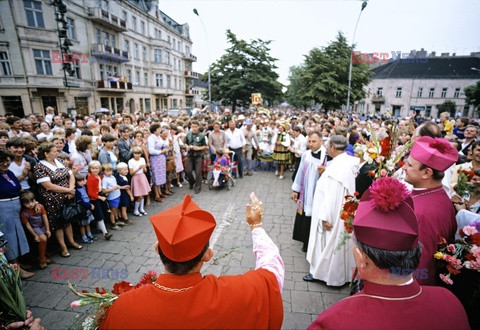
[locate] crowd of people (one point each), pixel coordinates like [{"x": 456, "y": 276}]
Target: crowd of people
[{"x": 115, "y": 166}]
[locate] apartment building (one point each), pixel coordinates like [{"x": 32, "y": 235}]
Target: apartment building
[
  {"x": 420, "y": 84},
  {"x": 127, "y": 56}
]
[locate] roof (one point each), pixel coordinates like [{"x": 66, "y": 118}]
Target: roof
[
  {"x": 430, "y": 68},
  {"x": 144, "y": 5}
]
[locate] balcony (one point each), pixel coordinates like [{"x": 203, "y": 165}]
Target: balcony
[
  {"x": 378, "y": 99},
  {"x": 107, "y": 54},
  {"x": 114, "y": 86},
  {"x": 191, "y": 74},
  {"x": 191, "y": 92},
  {"x": 106, "y": 19},
  {"x": 190, "y": 57}
]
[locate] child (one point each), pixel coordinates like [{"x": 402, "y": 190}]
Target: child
[
  {"x": 37, "y": 224},
  {"x": 112, "y": 190},
  {"x": 93, "y": 189},
  {"x": 82, "y": 198},
  {"x": 140, "y": 186},
  {"x": 125, "y": 193},
  {"x": 220, "y": 167}
]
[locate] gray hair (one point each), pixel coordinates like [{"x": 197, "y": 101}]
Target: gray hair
[{"x": 339, "y": 142}]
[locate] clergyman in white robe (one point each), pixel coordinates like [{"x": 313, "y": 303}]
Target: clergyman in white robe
[{"x": 327, "y": 263}]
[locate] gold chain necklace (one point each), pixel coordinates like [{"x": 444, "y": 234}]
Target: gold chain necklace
[
  {"x": 386, "y": 298},
  {"x": 161, "y": 287},
  {"x": 428, "y": 192}
]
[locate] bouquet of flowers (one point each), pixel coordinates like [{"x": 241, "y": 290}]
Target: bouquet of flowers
[
  {"x": 102, "y": 300},
  {"x": 463, "y": 253},
  {"x": 387, "y": 159},
  {"x": 464, "y": 185},
  {"x": 12, "y": 303}
]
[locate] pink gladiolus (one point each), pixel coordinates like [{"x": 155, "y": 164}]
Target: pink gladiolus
[
  {"x": 446, "y": 279},
  {"x": 451, "y": 248},
  {"x": 75, "y": 304},
  {"x": 469, "y": 230}
]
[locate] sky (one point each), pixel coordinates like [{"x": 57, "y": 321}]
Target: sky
[{"x": 297, "y": 26}]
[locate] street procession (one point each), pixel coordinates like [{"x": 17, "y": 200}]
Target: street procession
[{"x": 320, "y": 175}]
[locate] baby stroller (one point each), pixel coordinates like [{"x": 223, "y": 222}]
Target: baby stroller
[{"x": 220, "y": 174}]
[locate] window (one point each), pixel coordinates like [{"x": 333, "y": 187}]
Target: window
[
  {"x": 144, "y": 53},
  {"x": 175, "y": 83},
  {"x": 179, "y": 45},
  {"x": 76, "y": 69},
  {"x": 145, "y": 79},
  {"x": 5, "y": 63},
  {"x": 174, "y": 103},
  {"x": 399, "y": 92},
  {"x": 174, "y": 63},
  {"x": 159, "y": 80},
  {"x": 105, "y": 38},
  {"x": 112, "y": 40},
  {"x": 419, "y": 91},
  {"x": 127, "y": 45},
  {"x": 167, "y": 54},
  {"x": 174, "y": 43},
  {"x": 71, "y": 34},
  {"x": 137, "y": 75},
  {"x": 431, "y": 92},
  {"x": 428, "y": 111},
  {"x": 168, "y": 39},
  {"x": 444, "y": 93},
  {"x": 124, "y": 15},
  {"x": 134, "y": 23},
  {"x": 168, "y": 81},
  {"x": 142, "y": 27},
  {"x": 42, "y": 62},
  {"x": 187, "y": 49},
  {"x": 147, "y": 105},
  {"x": 33, "y": 10},
  {"x": 102, "y": 72},
  {"x": 457, "y": 93},
  {"x": 135, "y": 51},
  {"x": 129, "y": 75},
  {"x": 158, "y": 34},
  {"x": 379, "y": 91},
  {"x": 98, "y": 34},
  {"x": 158, "y": 55}
]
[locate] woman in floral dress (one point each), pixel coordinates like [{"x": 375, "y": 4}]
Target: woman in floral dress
[
  {"x": 56, "y": 184},
  {"x": 281, "y": 154}
]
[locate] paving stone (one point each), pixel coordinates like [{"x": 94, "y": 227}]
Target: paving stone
[{"x": 306, "y": 302}]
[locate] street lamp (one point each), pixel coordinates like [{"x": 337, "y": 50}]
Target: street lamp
[
  {"x": 195, "y": 11},
  {"x": 364, "y": 4}
]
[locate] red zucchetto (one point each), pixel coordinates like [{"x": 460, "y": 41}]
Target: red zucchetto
[
  {"x": 435, "y": 153},
  {"x": 385, "y": 218},
  {"x": 183, "y": 230}
]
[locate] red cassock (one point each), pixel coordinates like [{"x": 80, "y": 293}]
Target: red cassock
[
  {"x": 249, "y": 301},
  {"x": 395, "y": 307},
  {"x": 436, "y": 218}
]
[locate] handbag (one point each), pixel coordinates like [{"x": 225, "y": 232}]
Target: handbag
[
  {"x": 170, "y": 164},
  {"x": 71, "y": 211}
]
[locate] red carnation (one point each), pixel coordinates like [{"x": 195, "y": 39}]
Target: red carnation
[
  {"x": 476, "y": 239},
  {"x": 387, "y": 193},
  {"x": 386, "y": 146},
  {"x": 348, "y": 228},
  {"x": 122, "y": 287},
  {"x": 452, "y": 270},
  {"x": 371, "y": 173},
  {"x": 469, "y": 257},
  {"x": 442, "y": 242},
  {"x": 103, "y": 291}
]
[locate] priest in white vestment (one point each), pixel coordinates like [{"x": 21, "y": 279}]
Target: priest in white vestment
[{"x": 329, "y": 262}]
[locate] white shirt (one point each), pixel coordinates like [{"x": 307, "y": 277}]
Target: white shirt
[
  {"x": 43, "y": 135},
  {"x": 135, "y": 164},
  {"x": 300, "y": 145},
  {"x": 235, "y": 139},
  {"x": 17, "y": 170},
  {"x": 53, "y": 168}
]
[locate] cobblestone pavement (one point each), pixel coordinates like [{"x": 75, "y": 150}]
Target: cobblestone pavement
[{"x": 132, "y": 248}]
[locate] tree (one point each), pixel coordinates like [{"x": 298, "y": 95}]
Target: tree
[
  {"x": 323, "y": 76},
  {"x": 472, "y": 94},
  {"x": 447, "y": 106},
  {"x": 293, "y": 94},
  {"x": 246, "y": 68}
]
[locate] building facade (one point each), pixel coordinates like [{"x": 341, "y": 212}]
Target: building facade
[
  {"x": 127, "y": 56},
  {"x": 421, "y": 84}
]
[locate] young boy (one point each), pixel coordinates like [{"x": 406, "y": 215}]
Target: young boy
[
  {"x": 112, "y": 190},
  {"x": 82, "y": 197},
  {"x": 93, "y": 189}
]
